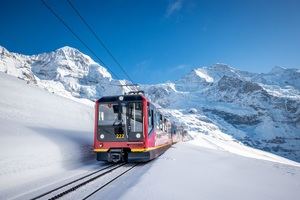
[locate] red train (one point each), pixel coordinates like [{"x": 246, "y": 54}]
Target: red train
[{"x": 130, "y": 128}]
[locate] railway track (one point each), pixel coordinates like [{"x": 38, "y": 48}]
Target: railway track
[{"x": 87, "y": 185}]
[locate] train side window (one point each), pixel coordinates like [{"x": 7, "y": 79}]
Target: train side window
[
  {"x": 150, "y": 120},
  {"x": 161, "y": 124},
  {"x": 165, "y": 125},
  {"x": 157, "y": 119}
]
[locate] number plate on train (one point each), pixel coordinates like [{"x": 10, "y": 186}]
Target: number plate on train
[{"x": 120, "y": 136}]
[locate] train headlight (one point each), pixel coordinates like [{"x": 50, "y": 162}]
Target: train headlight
[
  {"x": 121, "y": 98},
  {"x": 102, "y": 136},
  {"x": 138, "y": 135}
]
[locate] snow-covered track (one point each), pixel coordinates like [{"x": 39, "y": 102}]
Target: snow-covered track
[
  {"x": 110, "y": 181},
  {"x": 73, "y": 185}
]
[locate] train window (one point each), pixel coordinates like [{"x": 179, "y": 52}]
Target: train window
[
  {"x": 108, "y": 114},
  {"x": 161, "y": 124},
  {"x": 135, "y": 117},
  {"x": 157, "y": 120},
  {"x": 150, "y": 120}
]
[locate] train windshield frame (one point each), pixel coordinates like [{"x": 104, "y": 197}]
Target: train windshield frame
[{"x": 126, "y": 116}]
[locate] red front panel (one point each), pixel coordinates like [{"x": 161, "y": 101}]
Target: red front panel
[
  {"x": 101, "y": 145},
  {"x": 156, "y": 138}
]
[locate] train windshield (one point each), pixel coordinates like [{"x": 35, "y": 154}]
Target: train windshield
[
  {"x": 120, "y": 121},
  {"x": 112, "y": 114},
  {"x": 125, "y": 117}
]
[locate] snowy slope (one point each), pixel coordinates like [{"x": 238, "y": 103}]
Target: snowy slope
[
  {"x": 41, "y": 134},
  {"x": 260, "y": 110},
  {"x": 189, "y": 172}
]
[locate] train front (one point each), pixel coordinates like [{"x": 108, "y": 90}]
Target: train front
[{"x": 119, "y": 127}]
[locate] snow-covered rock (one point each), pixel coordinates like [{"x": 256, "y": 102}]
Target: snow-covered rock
[{"x": 280, "y": 76}]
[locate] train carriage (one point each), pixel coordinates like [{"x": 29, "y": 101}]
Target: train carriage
[{"x": 130, "y": 128}]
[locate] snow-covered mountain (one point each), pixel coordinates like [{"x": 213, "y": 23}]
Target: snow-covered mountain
[
  {"x": 259, "y": 110},
  {"x": 66, "y": 72},
  {"x": 218, "y": 104}
]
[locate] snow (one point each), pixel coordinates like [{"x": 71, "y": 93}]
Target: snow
[
  {"x": 41, "y": 134},
  {"x": 211, "y": 136},
  {"x": 190, "y": 172},
  {"x": 280, "y": 76},
  {"x": 202, "y": 74},
  {"x": 46, "y": 140}
]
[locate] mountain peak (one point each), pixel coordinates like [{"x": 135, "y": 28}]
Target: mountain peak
[
  {"x": 221, "y": 66},
  {"x": 277, "y": 69},
  {"x": 67, "y": 51},
  {"x": 3, "y": 50}
]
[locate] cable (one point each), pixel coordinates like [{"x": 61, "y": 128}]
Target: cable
[
  {"x": 76, "y": 36},
  {"x": 99, "y": 40}
]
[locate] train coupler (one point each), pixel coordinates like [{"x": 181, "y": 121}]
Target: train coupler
[{"x": 116, "y": 155}]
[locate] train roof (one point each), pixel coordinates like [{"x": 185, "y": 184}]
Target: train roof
[{"x": 131, "y": 97}]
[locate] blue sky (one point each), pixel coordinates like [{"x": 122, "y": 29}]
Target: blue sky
[{"x": 157, "y": 41}]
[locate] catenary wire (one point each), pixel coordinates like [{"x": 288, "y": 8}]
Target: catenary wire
[
  {"x": 76, "y": 36},
  {"x": 100, "y": 41}
]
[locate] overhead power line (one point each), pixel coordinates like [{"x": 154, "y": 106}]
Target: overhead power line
[
  {"x": 76, "y": 36},
  {"x": 99, "y": 40}
]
